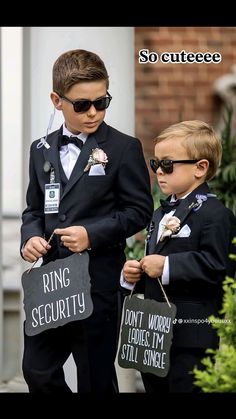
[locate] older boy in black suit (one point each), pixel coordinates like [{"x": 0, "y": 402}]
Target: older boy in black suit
[
  {"x": 100, "y": 206},
  {"x": 190, "y": 240}
]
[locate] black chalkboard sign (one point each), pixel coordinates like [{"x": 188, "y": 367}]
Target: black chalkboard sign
[
  {"x": 57, "y": 293},
  {"x": 146, "y": 335}
]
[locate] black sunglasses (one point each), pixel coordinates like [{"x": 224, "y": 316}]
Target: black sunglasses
[
  {"x": 167, "y": 165},
  {"x": 85, "y": 104}
]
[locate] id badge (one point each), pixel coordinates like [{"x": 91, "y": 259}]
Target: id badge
[{"x": 52, "y": 198}]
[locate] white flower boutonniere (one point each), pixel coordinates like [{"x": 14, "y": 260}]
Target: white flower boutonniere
[
  {"x": 172, "y": 226},
  {"x": 96, "y": 157}
]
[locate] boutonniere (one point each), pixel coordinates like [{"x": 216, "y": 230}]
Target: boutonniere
[
  {"x": 172, "y": 226},
  {"x": 96, "y": 157},
  {"x": 197, "y": 203}
]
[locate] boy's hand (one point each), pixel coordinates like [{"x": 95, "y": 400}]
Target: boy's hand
[
  {"x": 132, "y": 271},
  {"x": 75, "y": 238},
  {"x": 153, "y": 265},
  {"x": 35, "y": 248}
]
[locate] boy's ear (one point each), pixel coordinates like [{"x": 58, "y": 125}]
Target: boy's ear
[
  {"x": 201, "y": 168},
  {"x": 56, "y": 100}
]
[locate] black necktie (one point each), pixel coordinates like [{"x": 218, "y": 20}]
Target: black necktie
[
  {"x": 65, "y": 140},
  {"x": 168, "y": 206}
]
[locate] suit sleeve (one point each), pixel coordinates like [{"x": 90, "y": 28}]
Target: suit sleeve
[
  {"x": 209, "y": 264},
  {"x": 33, "y": 215},
  {"x": 134, "y": 204}
]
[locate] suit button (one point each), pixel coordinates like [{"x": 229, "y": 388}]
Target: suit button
[{"x": 62, "y": 217}]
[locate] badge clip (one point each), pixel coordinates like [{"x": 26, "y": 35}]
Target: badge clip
[{"x": 43, "y": 141}]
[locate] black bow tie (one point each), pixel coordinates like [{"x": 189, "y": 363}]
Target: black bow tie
[
  {"x": 65, "y": 140},
  {"x": 168, "y": 206}
]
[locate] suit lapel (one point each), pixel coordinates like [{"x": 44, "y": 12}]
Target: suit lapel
[
  {"x": 151, "y": 244},
  {"x": 183, "y": 210}
]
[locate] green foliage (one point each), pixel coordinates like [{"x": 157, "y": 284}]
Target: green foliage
[
  {"x": 157, "y": 195},
  {"x": 220, "y": 377},
  {"x": 220, "y": 367},
  {"x": 219, "y": 374},
  {"x": 136, "y": 244},
  {"x": 224, "y": 183}
]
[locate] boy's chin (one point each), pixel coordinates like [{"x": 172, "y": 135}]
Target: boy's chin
[{"x": 165, "y": 191}]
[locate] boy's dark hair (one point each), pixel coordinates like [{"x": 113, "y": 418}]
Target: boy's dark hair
[{"x": 77, "y": 66}]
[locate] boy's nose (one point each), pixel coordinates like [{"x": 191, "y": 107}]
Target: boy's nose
[
  {"x": 92, "y": 110},
  {"x": 159, "y": 171}
]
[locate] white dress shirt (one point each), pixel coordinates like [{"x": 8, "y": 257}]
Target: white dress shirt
[
  {"x": 165, "y": 278},
  {"x": 70, "y": 153}
]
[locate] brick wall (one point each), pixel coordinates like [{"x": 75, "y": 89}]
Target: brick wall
[{"x": 168, "y": 93}]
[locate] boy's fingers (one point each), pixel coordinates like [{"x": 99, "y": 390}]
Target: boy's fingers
[
  {"x": 133, "y": 264},
  {"x": 60, "y": 231}
]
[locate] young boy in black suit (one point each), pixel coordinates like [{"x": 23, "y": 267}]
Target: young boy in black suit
[
  {"x": 188, "y": 247},
  {"x": 99, "y": 207}
]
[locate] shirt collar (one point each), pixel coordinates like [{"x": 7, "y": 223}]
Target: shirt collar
[
  {"x": 82, "y": 136},
  {"x": 173, "y": 197}
]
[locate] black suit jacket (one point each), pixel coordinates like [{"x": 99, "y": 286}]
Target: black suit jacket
[
  {"x": 111, "y": 207},
  {"x": 197, "y": 266}
]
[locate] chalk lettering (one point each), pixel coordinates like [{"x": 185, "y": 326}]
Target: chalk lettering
[
  {"x": 129, "y": 353},
  {"x": 154, "y": 359},
  {"x": 157, "y": 340},
  {"x": 61, "y": 304},
  {"x": 159, "y": 323},
  {"x": 55, "y": 280},
  {"x": 59, "y": 309},
  {"x": 133, "y": 318},
  {"x": 138, "y": 337}
]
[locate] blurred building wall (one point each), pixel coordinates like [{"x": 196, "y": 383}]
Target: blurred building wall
[{"x": 168, "y": 93}]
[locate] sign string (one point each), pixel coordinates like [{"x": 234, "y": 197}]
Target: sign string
[{"x": 164, "y": 292}]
